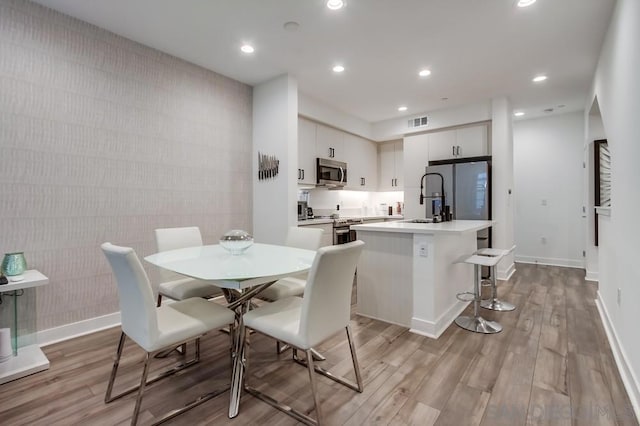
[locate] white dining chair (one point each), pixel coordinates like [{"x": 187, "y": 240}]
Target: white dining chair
[
  {"x": 323, "y": 310},
  {"x": 157, "y": 328},
  {"x": 176, "y": 286},
  {"x": 298, "y": 237}
]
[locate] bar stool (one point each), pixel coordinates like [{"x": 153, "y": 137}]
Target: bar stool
[
  {"x": 476, "y": 323},
  {"x": 493, "y": 303}
]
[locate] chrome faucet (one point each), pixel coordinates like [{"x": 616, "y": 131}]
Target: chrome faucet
[{"x": 422, "y": 197}]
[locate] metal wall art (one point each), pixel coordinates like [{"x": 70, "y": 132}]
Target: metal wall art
[{"x": 268, "y": 166}]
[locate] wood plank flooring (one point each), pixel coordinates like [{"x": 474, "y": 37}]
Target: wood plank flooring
[{"x": 551, "y": 365}]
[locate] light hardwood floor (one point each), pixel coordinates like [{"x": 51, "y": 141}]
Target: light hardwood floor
[{"x": 552, "y": 365}]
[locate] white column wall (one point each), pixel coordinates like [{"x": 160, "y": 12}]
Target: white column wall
[
  {"x": 275, "y": 132},
  {"x": 502, "y": 182}
]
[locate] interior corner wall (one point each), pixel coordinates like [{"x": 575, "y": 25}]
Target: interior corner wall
[
  {"x": 104, "y": 139},
  {"x": 617, "y": 88},
  {"x": 275, "y": 133},
  {"x": 502, "y": 195},
  {"x": 594, "y": 131},
  {"x": 548, "y": 176}
]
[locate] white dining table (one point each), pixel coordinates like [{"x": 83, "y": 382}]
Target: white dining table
[{"x": 241, "y": 277}]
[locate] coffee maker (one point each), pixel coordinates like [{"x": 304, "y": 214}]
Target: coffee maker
[{"x": 302, "y": 210}]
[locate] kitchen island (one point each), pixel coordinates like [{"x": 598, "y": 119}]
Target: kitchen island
[{"x": 408, "y": 275}]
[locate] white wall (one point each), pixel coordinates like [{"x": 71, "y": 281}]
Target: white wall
[
  {"x": 548, "y": 170},
  {"x": 617, "y": 88},
  {"x": 594, "y": 130},
  {"x": 275, "y": 132},
  {"x": 446, "y": 117},
  {"x": 323, "y": 113}
]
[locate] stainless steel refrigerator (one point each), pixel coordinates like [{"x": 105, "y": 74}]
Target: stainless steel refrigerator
[{"x": 467, "y": 190}]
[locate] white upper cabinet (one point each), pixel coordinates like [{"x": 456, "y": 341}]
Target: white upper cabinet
[
  {"x": 390, "y": 170},
  {"x": 442, "y": 145},
  {"x": 329, "y": 143},
  {"x": 472, "y": 141},
  {"x": 306, "y": 151},
  {"x": 361, "y": 156},
  {"x": 416, "y": 156},
  {"x": 458, "y": 143}
]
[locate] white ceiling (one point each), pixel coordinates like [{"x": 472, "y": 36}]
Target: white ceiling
[{"x": 476, "y": 49}]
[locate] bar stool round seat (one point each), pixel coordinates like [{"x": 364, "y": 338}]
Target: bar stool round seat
[
  {"x": 493, "y": 303},
  {"x": 476, "y": 323}
]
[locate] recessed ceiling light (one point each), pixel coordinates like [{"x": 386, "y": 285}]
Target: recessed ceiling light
[
  {"x": 402, "y": 108},
  {"x": 444, "y": 99},
  {"x": 518, "y": 114},
  {"x": 424, "y": 73},
  {"x": 561, "y": 106},
  {"x": 247, "y": 48},
  {"x": 539, "y": 78},
  {"x": 525, "y": 3},
  {"x": 338, "y": 68},
  {"x": 335, "y": 4}
]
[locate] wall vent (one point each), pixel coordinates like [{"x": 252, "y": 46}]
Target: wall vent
[{"x": 418, "y": 122}]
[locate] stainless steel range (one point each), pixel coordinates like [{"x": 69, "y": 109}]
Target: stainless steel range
[{"x": 341, "y": 232}]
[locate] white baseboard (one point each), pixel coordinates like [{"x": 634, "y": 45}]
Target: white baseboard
[
  {"x": 551, "y": 261},
  {"x": 506, "y": 274},
  {"x": 77, "y": 329},
  {"x": 435, "y": 329},
  {"x": 591, "y": 276},
  {"x": 629, "y": 379}
]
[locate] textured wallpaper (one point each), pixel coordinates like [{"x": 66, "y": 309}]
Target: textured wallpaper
[{"x": 103, "y": 139}]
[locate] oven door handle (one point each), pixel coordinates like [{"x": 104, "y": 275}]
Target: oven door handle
[
  {"x": 341, "y": 175},
  {"x": 341, "y": 231}
]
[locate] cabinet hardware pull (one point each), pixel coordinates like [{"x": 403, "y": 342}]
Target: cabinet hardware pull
[
  {"x": 299, "y": 175},
  {"x": 302, "y": 174},
  {"x": 453, "y": 150}
]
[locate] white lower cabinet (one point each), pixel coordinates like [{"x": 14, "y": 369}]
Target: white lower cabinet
[{"x": 327, "y": 235}]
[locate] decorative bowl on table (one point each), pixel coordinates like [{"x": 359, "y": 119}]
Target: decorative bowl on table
[{"x": 236, "y": 241}]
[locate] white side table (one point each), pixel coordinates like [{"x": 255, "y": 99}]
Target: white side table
[{"x": 27, "y": 359}]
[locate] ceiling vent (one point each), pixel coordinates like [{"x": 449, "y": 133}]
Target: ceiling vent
[{"x": 418, "y": 122}]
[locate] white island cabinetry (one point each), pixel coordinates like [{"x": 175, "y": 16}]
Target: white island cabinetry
[{"x": 408, "y": 275}]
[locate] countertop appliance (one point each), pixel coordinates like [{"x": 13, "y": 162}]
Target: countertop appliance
[
  {"x": 302, "y": 210},
  {"x": 341, "y": 232},
  {"x": 467, "y": 190},
  {"x": 331, "y": 173}
]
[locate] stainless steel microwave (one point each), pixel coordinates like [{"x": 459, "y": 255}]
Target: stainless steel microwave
[{"x": 331, "y": 173}]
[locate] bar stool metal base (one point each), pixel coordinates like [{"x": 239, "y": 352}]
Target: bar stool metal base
[
  {"x": 497, "y": 305},
  {"x": 478, "y": 325}
]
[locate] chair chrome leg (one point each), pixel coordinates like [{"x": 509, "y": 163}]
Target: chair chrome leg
[
  {"x": 314, "y": 387},
  {"x": 354, "y": 358},
  {"x": 281, "y": 347},
  {"x": 114, "y": 370},
  {"x": 143, "y": 383}
]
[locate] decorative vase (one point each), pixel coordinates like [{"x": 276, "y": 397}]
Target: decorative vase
[{"x": 14, "y": 264}]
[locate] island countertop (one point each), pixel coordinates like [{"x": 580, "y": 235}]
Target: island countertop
[{"x": 454, "y": 226}]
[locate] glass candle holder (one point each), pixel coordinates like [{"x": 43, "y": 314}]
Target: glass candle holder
[
  {"x": 14, "y": 264},
  {"x": 236, "y": 241}
]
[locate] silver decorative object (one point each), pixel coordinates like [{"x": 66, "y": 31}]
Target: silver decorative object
[
  {"x": 268, "y": 166},
  {"x": 236, "y": 241}
]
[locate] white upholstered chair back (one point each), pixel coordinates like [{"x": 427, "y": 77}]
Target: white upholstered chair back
[
  {"x": 303, "y": 237},
  {"x": 326, "y": 304},
  {"x": 176, "y": 238},
  {"x": 137, "y": 304}
]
